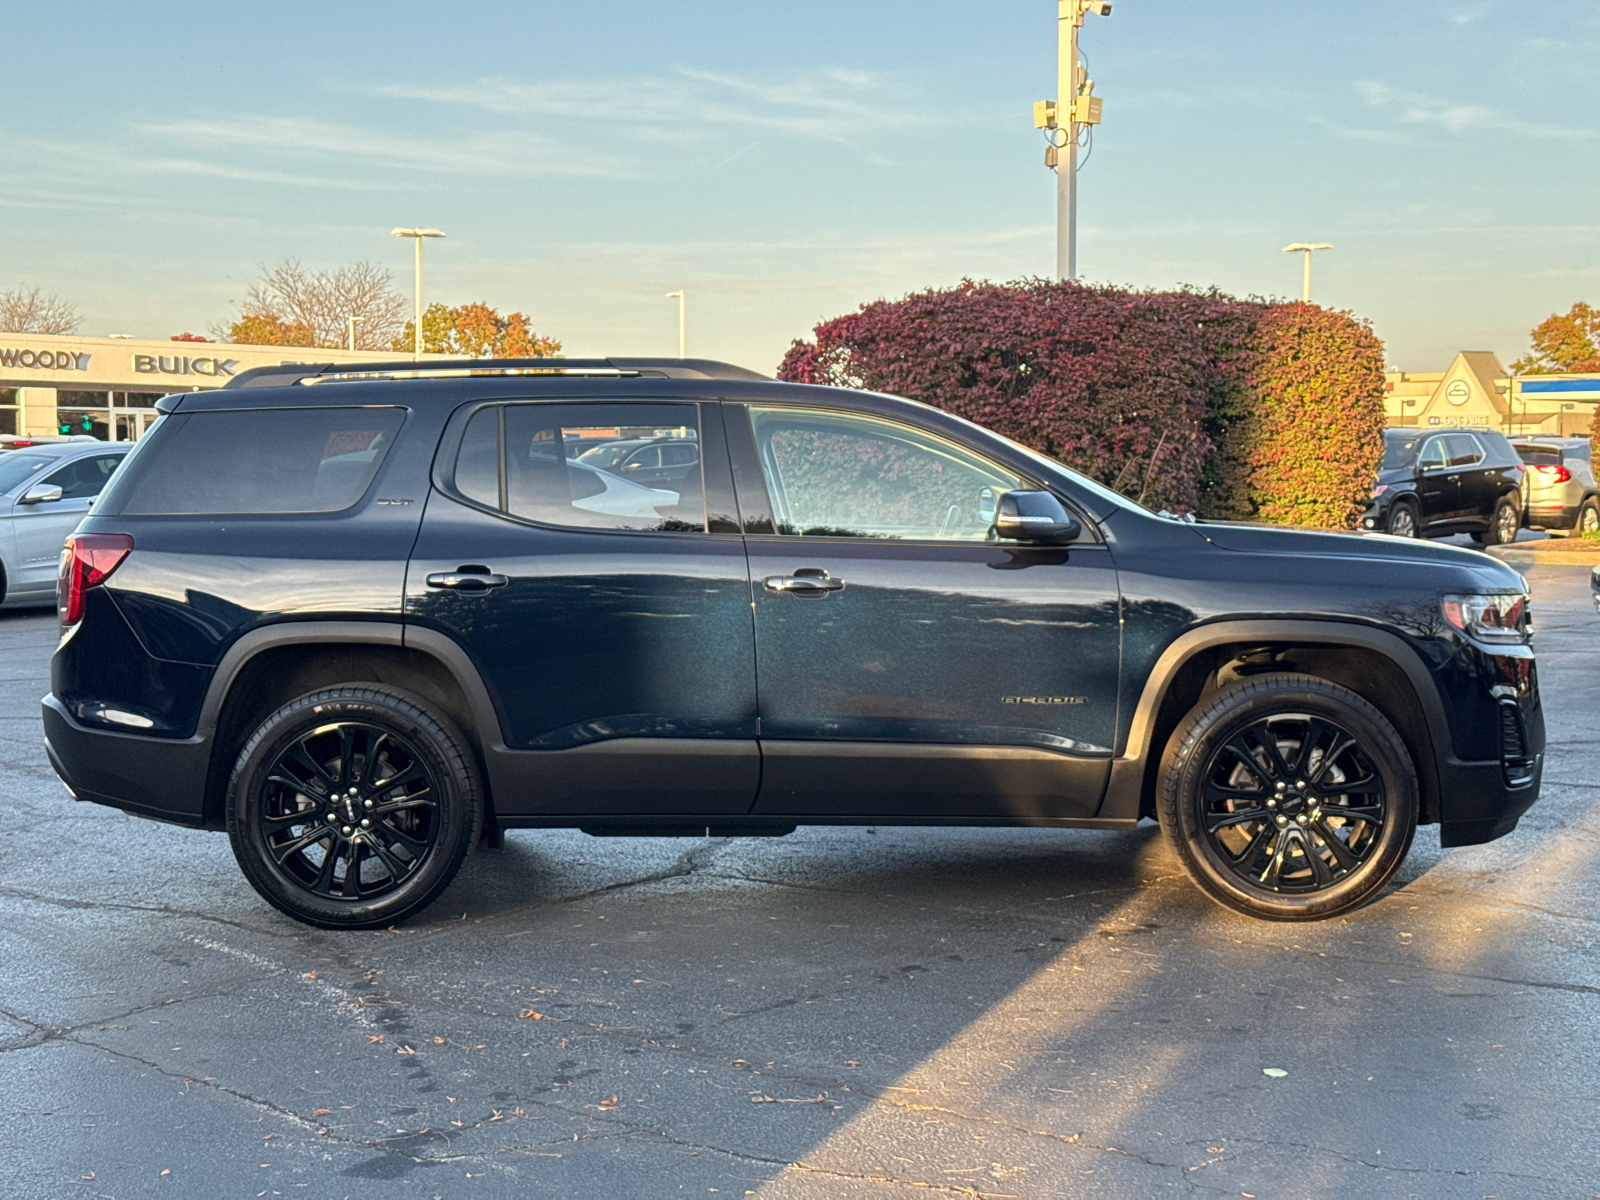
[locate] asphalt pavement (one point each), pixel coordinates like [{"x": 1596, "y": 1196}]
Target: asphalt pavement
[{"x": 840, "y": 1013}]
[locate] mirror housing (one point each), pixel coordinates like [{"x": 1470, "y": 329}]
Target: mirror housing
[
  {"x": 41, "y": 494},
  {"x": 1036, "y": 517}
]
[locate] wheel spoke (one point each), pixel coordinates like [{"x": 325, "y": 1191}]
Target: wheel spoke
[
  {"x": 297, "y": 755},
  {"x": 397, "y": 869},
  {"x": 324, "y": 883},
  {"x": 1321, "y": 873},
  {"x": 283, "y": 822},
  {"x": 1315, "y": 728},
  {"x": 1372, "y": 814},
  {"x": 1246, "y": 755},
  {"x": 1222, "y": 820},
  {"x": 411, "y": 774},
  {"x": 1268, "y": 741},
  {"x": 415, "y": 845},
  {"x": 1275, "y": 852},
  {"x": 347, "y": 741},
  {"x": 1246, "y": 862},
  {"x": 370, "y": 767},
  {"x": 1342, "y": 742},
  {"x": 1336, "y": 847},
  {"x": 282, "y": 853},
  {"x": 419, "y": 800},
  {"x": 352, "y": 872}
]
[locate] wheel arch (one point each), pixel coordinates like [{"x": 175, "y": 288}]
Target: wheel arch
[
  {"x": 268, "y": 667},
  {"x": 1375, "y": 664}
]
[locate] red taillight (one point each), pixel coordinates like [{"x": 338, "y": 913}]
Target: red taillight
[
  {"x": 87, "y": 561},
  {"x": 1555, "y": 474}
]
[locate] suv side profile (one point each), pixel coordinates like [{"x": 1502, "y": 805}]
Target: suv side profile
[
  {"x": 1559, "y": 491},
  {"x": 397, "y": 616},
  {"x": 1436, "y": 482}
]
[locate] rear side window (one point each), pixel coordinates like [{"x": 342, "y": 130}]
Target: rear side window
[
  {"x": 282, "y": 460},
  {"x": 541, "y": 462}
]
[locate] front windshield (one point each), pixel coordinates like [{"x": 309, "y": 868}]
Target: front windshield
[
  {"x": 14, "y": 467},
  {"x": 1400, "y": 450}
]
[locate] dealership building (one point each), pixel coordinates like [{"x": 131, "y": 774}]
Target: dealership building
[
  {"x": 109, "y": 386},
  {"x": 1478, "y": 390}
]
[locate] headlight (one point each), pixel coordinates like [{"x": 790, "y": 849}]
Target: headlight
[{"x": 1501, "y": 617}]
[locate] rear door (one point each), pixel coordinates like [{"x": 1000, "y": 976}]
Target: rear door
[
  {"x": 1438, "y": 487},
  {"x": 1479, "y": 477},
  {"x": 609, "y": 619}
]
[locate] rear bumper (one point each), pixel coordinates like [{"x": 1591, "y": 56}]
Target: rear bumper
[
  {"x": 1550, "y": 516},
  {"x": 164, "y": 778}
]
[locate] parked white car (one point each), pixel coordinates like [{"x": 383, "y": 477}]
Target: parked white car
[{"x": 45, "y": 490}]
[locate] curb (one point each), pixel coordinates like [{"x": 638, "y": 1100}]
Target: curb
[{"x": 1562, "y": 553}]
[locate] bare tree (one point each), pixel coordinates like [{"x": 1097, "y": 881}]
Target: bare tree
[
  {"x": 28, "y": 310},
  {"x": 323, "y": 303}
]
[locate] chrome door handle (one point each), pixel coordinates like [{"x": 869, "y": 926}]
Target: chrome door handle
[
  {"x": 802, "y": 583},
  {"x": 469, "y": 582}
]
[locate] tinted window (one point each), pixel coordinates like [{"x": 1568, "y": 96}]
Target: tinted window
[
  {"x": 83, "y": 478},
  {"x": 540, "y": 480},
  {"x": 1540, "y": 455},
  {"x": 647, "y": 456},
  {"x": 678, "y": 455},
  {"x": 15, "y": 467},
  {"x": 1399, "y": 451},
  {"x": 839, "y": 475},
  {"x": 1463, "y": 450},
  {"x": 1433, "y": 453},
  {"x": 257, "y": 461}
]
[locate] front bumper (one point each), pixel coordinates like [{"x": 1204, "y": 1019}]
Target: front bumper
[{"x": 164, "y": 778}]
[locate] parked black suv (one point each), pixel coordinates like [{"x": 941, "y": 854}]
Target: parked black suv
[
  {"x": 363, "y": 619},
  {"x": 1435, "y": 482}
]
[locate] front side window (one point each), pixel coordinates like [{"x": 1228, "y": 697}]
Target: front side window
[
  {"x": 83, "y": 478},
  {"x": 542, "y": 462},
  {"x": 842, "y": 475}
]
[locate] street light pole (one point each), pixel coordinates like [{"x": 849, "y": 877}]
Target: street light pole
[
  {"x": 683, "y": 328},
  {"x": 1306, "y": 248},
  {"x": 1073, "y": 106},
  {"x": 418, "y": 235}
]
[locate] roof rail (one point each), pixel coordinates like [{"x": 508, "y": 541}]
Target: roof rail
[{"x": 309, "y": 374}]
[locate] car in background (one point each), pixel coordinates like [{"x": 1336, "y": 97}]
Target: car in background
[
  {"x": 1559, "y": 492},
  {"x": 20, "y": 441},
  {"x": 45, "y": 490},
  {"x": 1436, "y": 482},
  {"x": 650, "y": 462}
]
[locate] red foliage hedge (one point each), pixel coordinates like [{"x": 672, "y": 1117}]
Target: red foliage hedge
[{"x": 1186, "y": 400}]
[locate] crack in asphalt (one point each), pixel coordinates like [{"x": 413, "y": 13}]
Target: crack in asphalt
[{"x": 14, "y": 893}]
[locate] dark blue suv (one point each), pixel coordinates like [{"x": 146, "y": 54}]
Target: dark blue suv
[{"x": 363, "y": 620}]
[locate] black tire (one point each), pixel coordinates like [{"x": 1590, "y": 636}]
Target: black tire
[
  {"x": 1588, "y": 518},
  {"x": 1503, "y": 523},
  {"x": 1403, "y": 520},
  {"x": 355, "y": 777},
  {"x": 1298, "y": 859}
]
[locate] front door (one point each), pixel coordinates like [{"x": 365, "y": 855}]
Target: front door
[
  {"x": 1438, "y": 486},
  {"x": 907, "y": 665},
  {"x": 42, "y": 526},
  {"x": 610, "y": 621}
]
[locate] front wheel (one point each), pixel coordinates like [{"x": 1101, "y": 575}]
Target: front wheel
[
  {"x": 1288, "y": 797},
  {"x": 353, "y": 808},
  {"x": 1402, "y": 520}
]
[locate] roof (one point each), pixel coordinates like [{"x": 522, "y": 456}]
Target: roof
[{"x": 314, "y": 373}]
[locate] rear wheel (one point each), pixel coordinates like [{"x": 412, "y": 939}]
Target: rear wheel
[
  {"x": 1588, "y": 518},
  {"x": 1402, "y": 520},
  {"x": 1288, "y": 797},
  {"x": 353, "y": 808},
  {"x": 1503, "y": 524}
]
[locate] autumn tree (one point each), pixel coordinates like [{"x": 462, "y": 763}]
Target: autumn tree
[
  {"x": 1563, "y": 343},
  {"x": 476, "y": 331},
  {"x": 30, "y": 310},
  {"x": 291, "y": 306}
]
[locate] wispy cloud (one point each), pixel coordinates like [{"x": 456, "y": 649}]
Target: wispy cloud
[
  {"x": 831, "y": 104},
  {"x": 506, "y": 153},
  {"x": 1414, "y": 108}
]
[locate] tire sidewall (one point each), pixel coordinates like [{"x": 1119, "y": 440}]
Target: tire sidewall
[
  {"x": 434, "y": 742},
  {"x": 1199, "y": 737},
  {"x": 1416, "y": 519}
]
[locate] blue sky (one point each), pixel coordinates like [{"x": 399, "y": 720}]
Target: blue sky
[{"x": 785, "y": 164}]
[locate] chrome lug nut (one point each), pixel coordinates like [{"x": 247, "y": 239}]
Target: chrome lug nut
[
  {"x": 1301, "y": 819},
  {"x": 367, "y": 804},
  {"x": 366, "y": 824},
  {"x": 1300, "y": 783},
  {"x": 1272, "y": 802},
  {"x": 347, "y": 831},
  {"x": 1282, "y": 820}
]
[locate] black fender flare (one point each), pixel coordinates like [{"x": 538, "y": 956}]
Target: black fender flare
[{"x": 1124, "y": 790}]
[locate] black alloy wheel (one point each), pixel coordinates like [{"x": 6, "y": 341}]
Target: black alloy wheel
[
  {"x": 1402, "y": 520},
  {"x": 1288, "y": 797},
  {"x": 353, "y": 808}
]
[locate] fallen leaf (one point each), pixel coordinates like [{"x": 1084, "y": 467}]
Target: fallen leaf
[
  {"x": 167, "y": 1172},
  {"x": 405, "y": 1050},
  {"x": 311, "y": 974},
  {"x": 376, "y": 1038},
  {"x": 528, "y": 1014},
  {"x": 611, "y": 1103},
  {"x": 1274, "y": 1072},
  {"x": 438, "y": 1041}
]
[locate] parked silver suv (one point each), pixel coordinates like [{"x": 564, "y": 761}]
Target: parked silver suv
[{"x": 1559, "y": 492}]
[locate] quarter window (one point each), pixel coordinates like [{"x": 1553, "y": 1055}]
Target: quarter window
[
  {"x": 842, "y": 475},
  {"x": 541, "y": 462}
]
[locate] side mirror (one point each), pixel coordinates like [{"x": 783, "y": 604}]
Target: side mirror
[
  {"x": 41, "y": 494},
  {"x": 1035, "y": 517}
]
